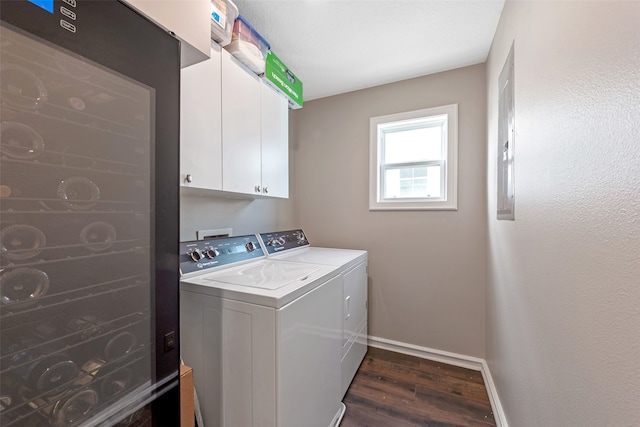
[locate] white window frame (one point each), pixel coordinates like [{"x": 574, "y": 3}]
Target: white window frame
[
  {"x": 449, "y": 163},
  {"x": 506, "y": 142}
]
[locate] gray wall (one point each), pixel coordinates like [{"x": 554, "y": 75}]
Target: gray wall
[
  {"x": 427, "y": 268},
  {"x": 244, "y": 216},
  {"x": 563, "y": 298}
]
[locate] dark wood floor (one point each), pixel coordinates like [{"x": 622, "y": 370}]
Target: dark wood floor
[{"x": 397, "y": 390}]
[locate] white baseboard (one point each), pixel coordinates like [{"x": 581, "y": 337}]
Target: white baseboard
[
  {"x": 498, "y": 412},
  {"x": 449, "y": 358}
]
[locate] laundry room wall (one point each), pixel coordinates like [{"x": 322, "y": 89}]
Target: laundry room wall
[
  {"x": 426, "y": 268},
  {"x": 564, "y": 278},
  {"x": 244, "y": 216}
]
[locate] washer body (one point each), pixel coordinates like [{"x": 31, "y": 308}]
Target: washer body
[
  {"x": 293, "y": 246},
  {"x": 263, "y": 336}
]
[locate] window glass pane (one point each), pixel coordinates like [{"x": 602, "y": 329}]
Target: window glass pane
[
  {"x": 412, "y": 182},
  {"x": 414, "y": 145}
]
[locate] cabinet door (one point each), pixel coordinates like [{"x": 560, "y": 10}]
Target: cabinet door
[
  {"x": 201, "y": 123},
  {"x": 275, "y": 143},
  {"x": 241, "y": 158}
]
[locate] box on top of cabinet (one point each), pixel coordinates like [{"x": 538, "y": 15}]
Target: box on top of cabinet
[
  {"x": 223, "y": 16},
  {"x": 279, "y": 77},
  {"x": 248, "y": 45}
]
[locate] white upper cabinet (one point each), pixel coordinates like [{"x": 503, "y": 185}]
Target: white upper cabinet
[
  {"x": 234, "y": 130},
  {"x": 201, "y": 123},
  {"x": 189, "y": 20},
  {"x": 255, "y": 134},
  {"x": 275, "y": 142},
  {"x": 241, "y": 156}
]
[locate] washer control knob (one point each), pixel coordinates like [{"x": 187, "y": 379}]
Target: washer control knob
[
  {"x": 250, "y": 246},
  {"x": 196, "y": 255},
  {"x": 282, "y": 241},
  {"x": 212, "y": 253}
]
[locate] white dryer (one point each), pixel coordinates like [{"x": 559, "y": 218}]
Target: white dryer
[
  {"x": 262, "y": 336},
  {"x": 293, "y": 246}
]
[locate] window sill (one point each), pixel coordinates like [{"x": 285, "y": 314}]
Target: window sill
[{"x": 404, "y": 206}]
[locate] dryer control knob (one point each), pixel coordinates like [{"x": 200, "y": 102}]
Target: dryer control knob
[
  {"x": 212, "y": 253},
  {"x": 250, "y": 246}
]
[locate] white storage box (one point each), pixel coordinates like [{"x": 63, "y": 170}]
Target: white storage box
[
  {"x": 248, "y": 46},
  {"x": 223, "y": 15}
]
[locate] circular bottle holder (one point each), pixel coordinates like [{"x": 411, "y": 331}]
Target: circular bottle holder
[
  {"x": 116, "y": 382},
  {"x": 119, "y": 346},
  {"x": 74, "y": 409},
  {"x": 21, "y": 287},
  {"x": 52, "y": 373},
  {"x": 21, "y": 242},
  {"x": 98, "y": 236},
  {"x": 22, "y": 88},
  {"x": 20, "y": 141},
  {"x": 78, "y": 193}
]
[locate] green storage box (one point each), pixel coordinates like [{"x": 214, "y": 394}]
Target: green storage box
[{"x": 278, "y": 76}]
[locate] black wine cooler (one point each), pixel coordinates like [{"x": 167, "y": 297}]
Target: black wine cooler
[{"x": 89, "y": 155}]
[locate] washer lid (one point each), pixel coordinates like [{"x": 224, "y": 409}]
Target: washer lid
[{"x": 267, "y": 275}]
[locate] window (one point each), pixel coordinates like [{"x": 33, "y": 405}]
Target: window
[{"x": 413, "y": 160}]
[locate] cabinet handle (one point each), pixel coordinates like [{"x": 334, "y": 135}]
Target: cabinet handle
[
  {"x": 188, "y": 178},
  {"x": 256, "y": 188},
  {"x": 347, "y": 307},
  {"x": 265, "y": 190}
]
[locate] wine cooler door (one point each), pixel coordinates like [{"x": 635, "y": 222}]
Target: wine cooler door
[{"x": 88, "y": 216}]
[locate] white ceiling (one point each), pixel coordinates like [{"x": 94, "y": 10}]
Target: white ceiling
[{"x": 337, "y": 46}]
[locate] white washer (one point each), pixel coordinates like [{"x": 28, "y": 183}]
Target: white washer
[
  {"x": 293, "y": 246},
  {"x": 262, "y": 336}
]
